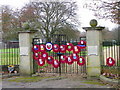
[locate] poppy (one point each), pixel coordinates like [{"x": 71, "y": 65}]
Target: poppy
[
  {"x": 81, "y": 61},
  {"x": 50, "y": 60},
  {"x": 44, "y": 55},
  {"x": 62, "y": 48},
  {"x": 74, "y": 57},
  {"x": 63, "y": 59},
  {"x": 110, "y": 61},
  {"x": 41, "y": 62},
  {"x": 56, "y": 48},
  {"x": 36, "y": 56},
  {"x": 56, "y": 64},
  {"x": 76, "y": 49},
  {"x": 42, "y": 48},
  {"x": 69, "y": 60},
  {"x": 69, "y": 46},
  {"x": 48, "y": 46},
  {"x": 36, "y": 48},
  {"x": 82, "y": 44}
]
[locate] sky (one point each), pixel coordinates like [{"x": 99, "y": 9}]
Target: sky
[{"x": 84, "y": 15}]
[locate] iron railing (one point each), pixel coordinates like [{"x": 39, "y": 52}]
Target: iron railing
[
  {"x": 64, "y": 68},
  {"x": 111, "y": 49},
  {"x": 9, "y": 54}
]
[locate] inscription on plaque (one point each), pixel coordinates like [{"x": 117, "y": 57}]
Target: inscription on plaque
[
  {"x": 92, "y": 50},
  {"x": 24, "y": 51}
]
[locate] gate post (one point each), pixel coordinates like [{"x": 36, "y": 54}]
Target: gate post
[
  {"x": 94, "y": 49},
  {"x": 26, "y": 60}
]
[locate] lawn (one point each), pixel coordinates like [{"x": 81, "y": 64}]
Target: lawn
[
  {"x": 28, "y": 79},
  {"x": 9, "y": 50},
  {"x": 9, "y": 56}
]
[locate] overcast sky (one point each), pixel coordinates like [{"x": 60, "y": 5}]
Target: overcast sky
[{"x": 84, "y": 15}]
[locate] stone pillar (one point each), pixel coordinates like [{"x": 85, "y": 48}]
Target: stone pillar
[
  {"x": 94, "y": 50},
  {"x": 26, "y": 60}
]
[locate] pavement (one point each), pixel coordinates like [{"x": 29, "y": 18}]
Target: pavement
[{"x": 56, "y": 82}]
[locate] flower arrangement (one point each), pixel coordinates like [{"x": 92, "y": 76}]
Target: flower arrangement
[
  {"x": 111, "y": 76},
  {"x": 11, "y": 68}
]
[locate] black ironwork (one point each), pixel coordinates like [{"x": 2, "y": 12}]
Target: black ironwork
[
  {"x": 60, "y": 39},
  {"x": 111, "y": 49}
]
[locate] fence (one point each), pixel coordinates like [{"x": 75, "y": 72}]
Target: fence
[
  {"x": 111, "y": 51},
  {"x": 64, "y": 68},
  {"x": 9, "y": 54}
]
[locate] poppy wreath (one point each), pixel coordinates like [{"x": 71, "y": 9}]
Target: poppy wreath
[
  {"x": 41, "y": 61},
  {"x": 56, "y": 48},
  {"x": 81, "y": 61},
  {"x": 69, "y": 46},
  {"x": 44, "y": 55},
  {"x": 62, "y": 48},
  {"x": 76, "y": 49},
  {"x": 56, "y": 64},
  {"x": 82, "y": 44},
  {"x": 36, "y": 48},
  {"x": 50, "y": 60},
  {"x": 48, "y": 46},
  {"x": 63, "y": 59},
  {"x": 110, "y": 61},
  {"x": 74, "y": 57},
  {"x": 42, "y": 48},
  {"x": 69, "y": 60},
  {"x": 36, "y": 55}
]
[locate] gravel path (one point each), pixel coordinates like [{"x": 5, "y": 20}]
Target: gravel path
[{"x": 54, "y": 83}]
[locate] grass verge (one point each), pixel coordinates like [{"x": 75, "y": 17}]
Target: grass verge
[
  {"x": 28, "y": 79},
  {"x": 93, "y": 82}
]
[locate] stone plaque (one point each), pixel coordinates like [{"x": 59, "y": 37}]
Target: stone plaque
[
  {"x": 24, "y": 51},
  {"x": 92, "y": 50}
]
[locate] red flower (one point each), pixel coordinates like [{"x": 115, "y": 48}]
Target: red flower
[
  {"x": 50, "y": 60},
  {"x": 42, "y": 48},
  {"x": 56, "y": 48},
  {"x": 81, "y": 61},
  {"x": 74, "y": 57},
  {"x": 41, "y": 62},
  {"x": 69, "y": 46},
  {"x": 110, "y": 61},
  {"x": 69, "y": 60},
  {"x": 63, "y": 59},
  {"x": 76, "y": 49},
  {"x": 56, "y": 64},
  {"x": 62, "y": 48},
  {"x": 44, "y": 55},
  {"x": 82, "y": 44},
  {"x": 36, "y": 48},
  {"x": 36, "y": 56}
]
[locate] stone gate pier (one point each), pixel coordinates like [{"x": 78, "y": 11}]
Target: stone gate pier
[
  {"x": 94, "y": 49},
  {"x": 26, "y": 60}
]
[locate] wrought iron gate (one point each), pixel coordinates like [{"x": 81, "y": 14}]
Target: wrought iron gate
[{"x": 76, "y": 66}]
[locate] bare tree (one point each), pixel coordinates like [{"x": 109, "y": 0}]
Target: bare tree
[
  {"x": 8, "y": 23},
  {"x": 50, "y": 17},
  {"x": 47, "y": 17},
  {"x": 106, "y": 9}
]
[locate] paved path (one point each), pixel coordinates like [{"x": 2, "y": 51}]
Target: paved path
[{"x": 54, "y": 83}]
